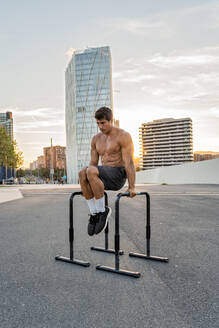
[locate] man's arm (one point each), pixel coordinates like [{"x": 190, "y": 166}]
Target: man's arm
[
  {"x": 127, "y": 156},
  {"x": 94, "y": 156}
]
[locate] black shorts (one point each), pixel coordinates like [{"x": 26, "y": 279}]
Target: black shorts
[{"x": 113, "y": 177}]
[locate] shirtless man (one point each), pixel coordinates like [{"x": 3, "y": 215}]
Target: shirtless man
[{"x": 115, "y": 148}]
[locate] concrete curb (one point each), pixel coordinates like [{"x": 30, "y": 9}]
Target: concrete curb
[{"x": 13, "y": 192}]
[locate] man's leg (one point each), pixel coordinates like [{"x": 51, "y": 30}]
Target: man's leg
[
  {"x": 96, "y": 185},
  {"x": 89, "y": 196},
  {"x": 97, "y": 188},
  {"x": 87, "y": 191},
  {"x": 85, "y": 185},
  {"x": 92, "y": 188}
]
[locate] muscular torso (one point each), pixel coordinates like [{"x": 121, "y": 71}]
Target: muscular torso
[{"x": 109, "y": 149}]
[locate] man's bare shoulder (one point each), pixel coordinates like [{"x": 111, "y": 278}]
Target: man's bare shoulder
[
  {"x": 96, "y": 137},
  {"x": 119, "y": 132},
  {"x": 123, "y": 134}
]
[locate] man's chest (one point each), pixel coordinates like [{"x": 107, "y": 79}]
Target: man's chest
[{"x": 108, "y": 146}]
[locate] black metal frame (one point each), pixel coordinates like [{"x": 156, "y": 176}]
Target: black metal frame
[
  {"x": 71, "y": 258},
  {"x": 147, "y": 256},
  {"x": 106, "y": 249}
]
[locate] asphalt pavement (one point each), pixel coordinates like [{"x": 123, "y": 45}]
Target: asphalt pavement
[{"x": 37, "y": 291}]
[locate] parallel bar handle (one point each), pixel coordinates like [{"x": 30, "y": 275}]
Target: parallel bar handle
[
  {"x": 71, "y": 224},
  {"x": 128, "y": 194},
  {"x": 148, "y": 225}
]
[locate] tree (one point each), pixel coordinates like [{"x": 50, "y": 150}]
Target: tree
[
  {"x": 20, "y": 173},
  {"x": 9, "y": 154},
  {"x": 58, "y": 173},
  {"x": 42, "y": 172}
]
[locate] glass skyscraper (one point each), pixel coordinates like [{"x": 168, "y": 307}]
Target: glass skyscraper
[{"x": 88, "y": 87}]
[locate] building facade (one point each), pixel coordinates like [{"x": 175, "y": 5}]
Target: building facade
[
  {"x": 166, "y": 142},
  {"x": 205, "y": 155},
  {"x": 6, "y": 120},
  {"x": 59, "y": 157},
  {"x": 41, "y": 162},
  {"x": 33, "y": 165},
  {"x": 88, "y": 87},
  {"x": 54, "y": 157}
]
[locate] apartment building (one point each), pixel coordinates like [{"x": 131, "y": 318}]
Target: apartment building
[
  {"x": 166, "y": 142},
  {"x": 54, "y": 157}
]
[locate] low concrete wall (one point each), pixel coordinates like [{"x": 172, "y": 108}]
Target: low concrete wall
[{"x": 195, "y": 172}]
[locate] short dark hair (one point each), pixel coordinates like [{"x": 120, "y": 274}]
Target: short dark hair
[{"x": 104, "y": 113}]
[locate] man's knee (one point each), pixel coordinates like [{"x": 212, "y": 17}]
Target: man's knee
[
  {"x": 91, "y": 172},
  {"x": 83, "y": 174}
]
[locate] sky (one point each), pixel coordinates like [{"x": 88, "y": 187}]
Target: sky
[{"x": 165, "y": 63}]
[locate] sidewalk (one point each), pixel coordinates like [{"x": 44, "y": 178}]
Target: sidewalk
[{"x": 13, "y": 192}]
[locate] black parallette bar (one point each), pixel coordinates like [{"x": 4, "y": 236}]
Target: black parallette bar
[
  {"x": 147, "y": 256},
  {"x": 117, "y": 242},
  {"x": 106, "y": 232},
  {"x": 117, "y": 269},
  {"x": 71, "y": 235},
  {"x": 71, "y": 258},
  {"x": 120, "y": 271},
  {"x": 74, "y": 261},
  {"x": 151, "y": 258},
  {"x": 108, "y": 250},
  {"x": 148, "y": 232}
]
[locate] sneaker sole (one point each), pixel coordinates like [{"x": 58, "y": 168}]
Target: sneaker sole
[{"x": 107, "y": 219}]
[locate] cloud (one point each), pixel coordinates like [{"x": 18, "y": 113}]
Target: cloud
[
  {"x": 32, "y": 132},
  {"x": 182, "y": 83},
  {"x": 177, "y": 25},
  {"x": 116, "y": 75},
  {"x": 175, "y": 61},
  {"x": 139, "y": 78},
  {"x": 38, "y": 124},
  {"x": 70, "y": 52},
  {"x": 37, "y": 120},
  {"x": 214, "y": 112},
  {"x": 41, "y": 113},
  {"x": 180, "y": 78},
  {"x": 138, "y": 26}
]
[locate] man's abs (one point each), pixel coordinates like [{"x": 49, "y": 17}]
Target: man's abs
[{"x": 112, "y": 160}]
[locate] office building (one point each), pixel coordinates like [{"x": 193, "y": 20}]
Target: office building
[
  {"x": 59, "y": 157},
  {"x": 88, "y": 87},
  {"x": 53, "y": 157},
  {"x": 6, "y": 120},
  {"x": 33, "y": 165},
  {"x": 205, "y": 155},
  {"x": 41, "y": 162},
  {"x": 166, "y": 142}
]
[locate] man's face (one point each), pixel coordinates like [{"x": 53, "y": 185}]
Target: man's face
[{"x": 104, "y": 125}]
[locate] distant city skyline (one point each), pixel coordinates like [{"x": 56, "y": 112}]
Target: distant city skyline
[{"x": 165, "y": 64}]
